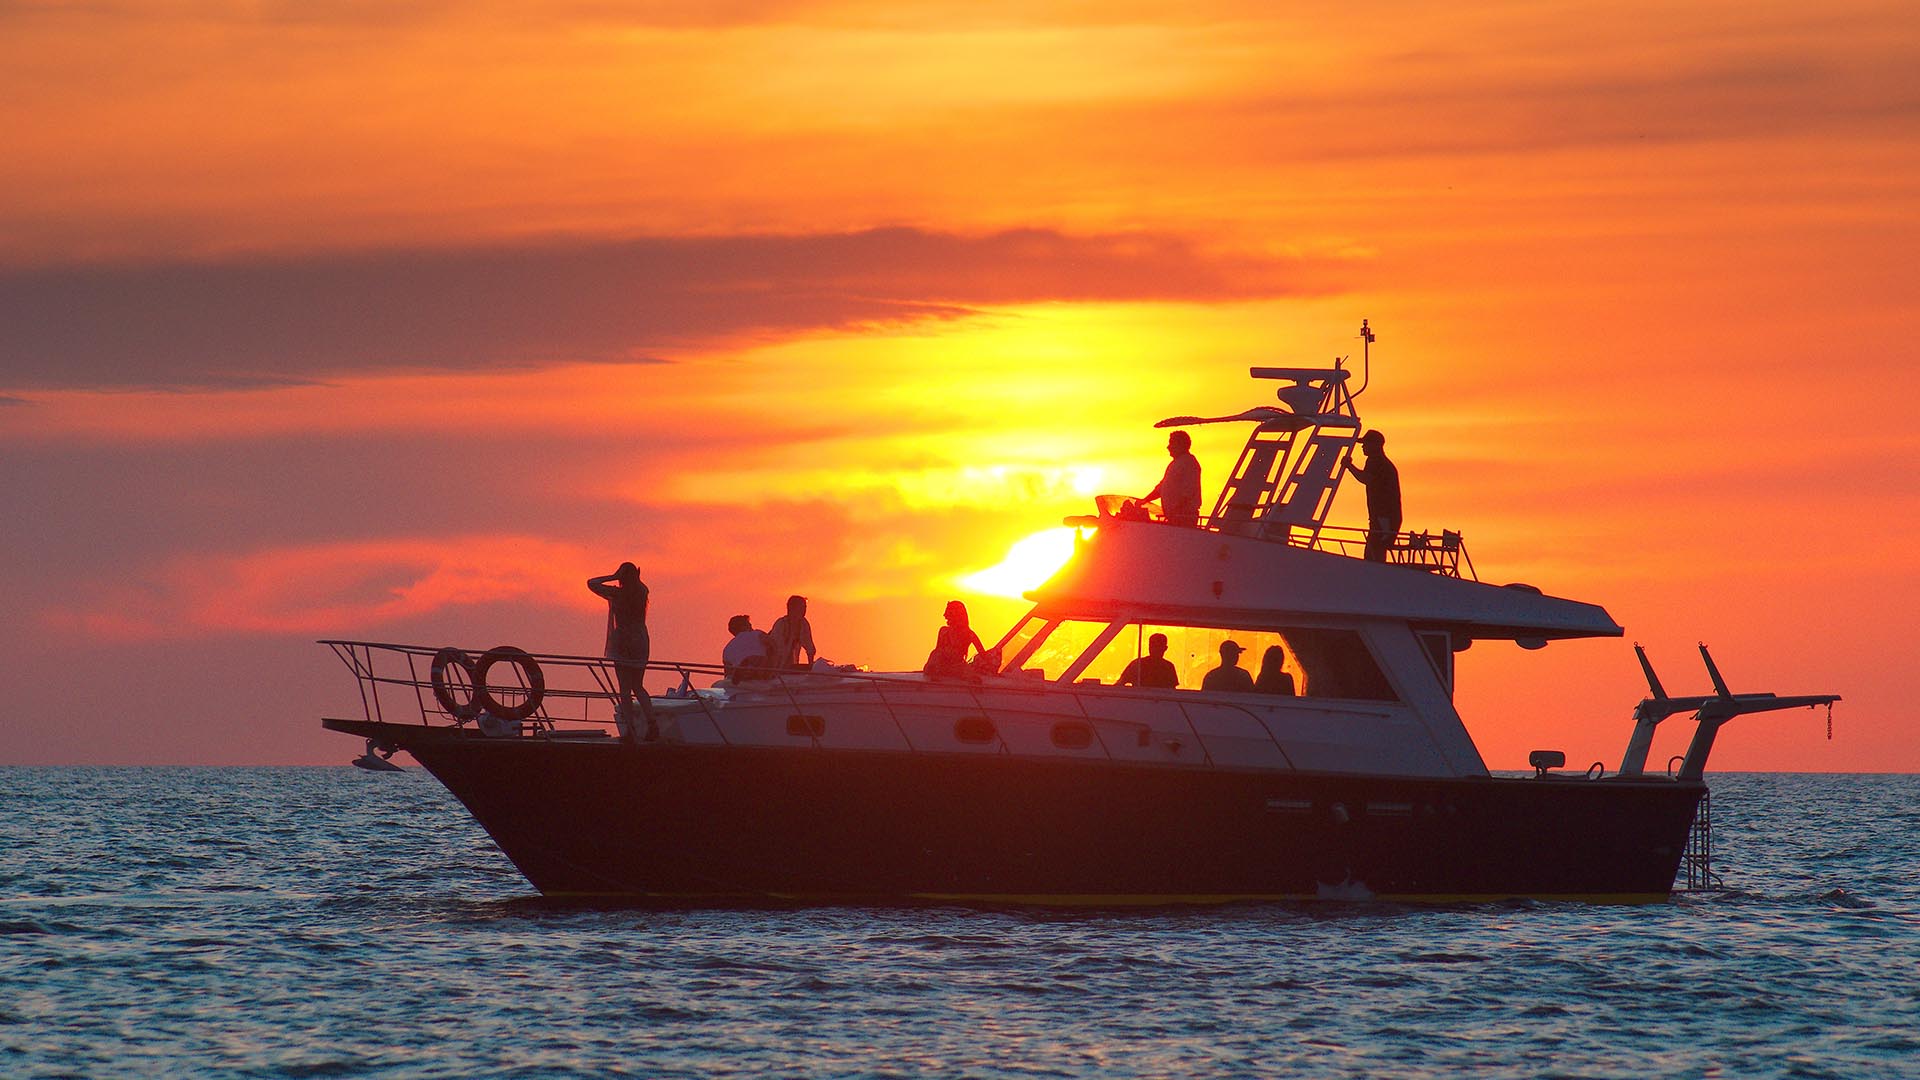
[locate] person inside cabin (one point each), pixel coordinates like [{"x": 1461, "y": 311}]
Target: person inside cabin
[
  {"x": 745, "y": 656},
  {"x": 1179, "y": 487},
  {"x": 1273, "y": 677},
  {"x": 950, "y": 647},
  {"x": 627, "y": 643},
  {"x": 791, "y": 633},
  {"x": 1229, "y": 675},
  {"x": 1153, "y": 670},
  {"x": 1382, "y": 480}
]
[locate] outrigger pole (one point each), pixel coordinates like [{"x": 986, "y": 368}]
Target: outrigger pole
[{"x": 1710, "y": 713}]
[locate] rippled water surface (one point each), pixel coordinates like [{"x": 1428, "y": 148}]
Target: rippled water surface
[{"x": 329, "y": 922}]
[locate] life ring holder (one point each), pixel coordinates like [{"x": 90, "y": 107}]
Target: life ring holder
[
  {"x": 531, "y": 675},
  {"x": 461, "y": 711}
]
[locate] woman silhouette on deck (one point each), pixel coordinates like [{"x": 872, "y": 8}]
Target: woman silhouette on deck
[
  {"x": 949, "y": 656},
  {"x": 627, "y": 643}
]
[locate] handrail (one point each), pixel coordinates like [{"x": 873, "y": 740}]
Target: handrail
[
  {"x": 360, "y": 658},
  {"x": 1444, "y": 553}
]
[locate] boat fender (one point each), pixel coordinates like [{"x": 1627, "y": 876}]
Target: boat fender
[
  {"x": 461, "y": 711},
  {"x": 1338, "y": 811},
  {"x": 531, "y": 675},
  {"x": 496, "y": 727}
]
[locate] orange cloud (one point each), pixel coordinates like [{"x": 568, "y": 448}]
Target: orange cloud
[{"x": 327, "y": 589}]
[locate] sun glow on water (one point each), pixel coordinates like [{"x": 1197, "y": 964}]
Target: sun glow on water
[{"x": 1027, "y": 564}]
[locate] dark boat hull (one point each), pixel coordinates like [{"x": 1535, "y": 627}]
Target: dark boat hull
[{"x": 736, "y": 824}]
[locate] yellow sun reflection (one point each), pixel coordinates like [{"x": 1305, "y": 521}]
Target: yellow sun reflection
[{"x": 1028, "y": 563}]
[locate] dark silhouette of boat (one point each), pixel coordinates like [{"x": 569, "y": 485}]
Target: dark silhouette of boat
[{"x": 1040, "y": 780}]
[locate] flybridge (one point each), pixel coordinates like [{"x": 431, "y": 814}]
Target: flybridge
[{"x": 1283, "y": 484}]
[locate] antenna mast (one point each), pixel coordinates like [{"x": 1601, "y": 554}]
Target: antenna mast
[{"x": 1366, "y": 359}]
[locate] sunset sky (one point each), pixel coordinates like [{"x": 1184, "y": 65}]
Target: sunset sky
[{"x": 334, "y": 319}]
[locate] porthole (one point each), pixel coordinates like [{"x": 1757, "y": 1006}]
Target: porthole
[
  {"x": 810, "y": 726},
  {"x": 1072, "y": 735},
  {"x": 974, "y": 729}
]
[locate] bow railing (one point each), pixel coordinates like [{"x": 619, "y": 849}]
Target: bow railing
[{"x": 558, "y": 694}]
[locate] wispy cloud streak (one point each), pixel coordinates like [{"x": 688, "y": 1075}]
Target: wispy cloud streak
[{"x": 263, "y": 322}]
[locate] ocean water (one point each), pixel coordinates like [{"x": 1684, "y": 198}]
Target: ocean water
[{"x": 330, "y": 922}]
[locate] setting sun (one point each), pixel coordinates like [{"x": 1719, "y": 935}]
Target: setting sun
[{"x": 1028, "y": 563}]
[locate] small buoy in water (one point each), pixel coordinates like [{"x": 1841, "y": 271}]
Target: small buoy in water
[{"x": 373, "y": 762}]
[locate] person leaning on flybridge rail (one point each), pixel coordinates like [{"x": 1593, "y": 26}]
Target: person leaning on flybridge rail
[{"x": 1179, "y": 487}]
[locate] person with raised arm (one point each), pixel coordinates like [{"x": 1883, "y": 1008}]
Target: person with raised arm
[
  {"x": 627, "y": 643},
  {"x": 1382, "y": 480}
]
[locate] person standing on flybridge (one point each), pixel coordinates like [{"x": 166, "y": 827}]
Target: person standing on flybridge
[
  {"x": 1382, "y": 479},
  {"x": 1179, "y": 487}
]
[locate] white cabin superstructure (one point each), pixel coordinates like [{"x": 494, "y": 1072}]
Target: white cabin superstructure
[{"x": 1369, "y": 646}]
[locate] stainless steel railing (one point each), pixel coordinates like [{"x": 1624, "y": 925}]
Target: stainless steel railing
[{"x": 582, "y": 690}]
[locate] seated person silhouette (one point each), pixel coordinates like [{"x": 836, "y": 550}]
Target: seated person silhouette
[
  {"x": 791, "y": 633},
  {"x": 745, "y": 656},
  {"x": 1273, "y": 678},
  {"x": 1229, "y": 675},
  {"x": 1152, "y": 670},
  {"x": 948, "y": 660}
]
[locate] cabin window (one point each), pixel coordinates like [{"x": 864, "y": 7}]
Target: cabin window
[
  {"x": 1323, "y": 663},
  {"x": 1056, "y": 651},
  {"x": 1439, "y": 646},
  {"x": 1339, "y": 665},
  {"x": 1024, "y": 636}
]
